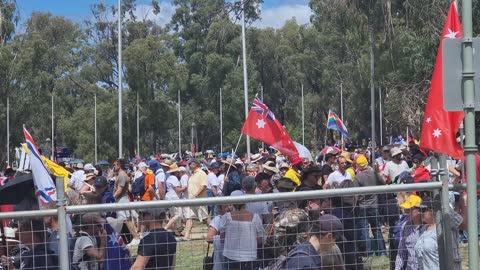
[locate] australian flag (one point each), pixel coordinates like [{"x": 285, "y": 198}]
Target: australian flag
[{"x": 117, "y": 254}]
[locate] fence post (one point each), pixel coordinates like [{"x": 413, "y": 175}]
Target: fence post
[
  {"x": 62, "y": 226},
  {"x": 446, "y": 225}
]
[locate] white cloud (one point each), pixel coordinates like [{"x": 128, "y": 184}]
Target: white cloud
[
  {"x": 146, "y": 12},
  {"x": 276, "y": 16}
]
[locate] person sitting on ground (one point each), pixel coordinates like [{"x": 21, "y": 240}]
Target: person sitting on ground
[{"x": 158, "y": 248}]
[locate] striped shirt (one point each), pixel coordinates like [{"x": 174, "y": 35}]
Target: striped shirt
[{"x": 406, "y": 248}]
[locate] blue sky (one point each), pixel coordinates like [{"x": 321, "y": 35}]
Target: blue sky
[{"x": 274, "y": 12}]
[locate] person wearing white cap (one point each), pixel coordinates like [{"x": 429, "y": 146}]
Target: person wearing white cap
[{"x": 395, "y": 166}]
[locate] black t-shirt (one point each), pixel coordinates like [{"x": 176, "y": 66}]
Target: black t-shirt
[
  {"x": 326, "y": 170},
  {"x": 160, "y": 246}
]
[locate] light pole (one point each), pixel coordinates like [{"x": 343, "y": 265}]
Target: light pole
[
  {"x": 179, "y": 112},
  {"x": 303, "y": 118},
  {"x": 245, "y": 78},
  {"x": 138, "y": 125},
  {"x": 8, "y": 130},
  {"x": 120, "y": 124},
  {"x": 221, "y": 122},
  {"x": 53, "y": 130},
  {"x": 95, "y": 123}
]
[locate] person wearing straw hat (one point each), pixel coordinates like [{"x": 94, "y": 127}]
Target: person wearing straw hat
[
  {"x": 232, "y": 180},
  {"x": 395, "y": 166},
  {"x": 174, "y": 189}
]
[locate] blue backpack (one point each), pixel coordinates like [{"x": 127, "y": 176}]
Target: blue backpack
[{"x": 138, "y": 186}]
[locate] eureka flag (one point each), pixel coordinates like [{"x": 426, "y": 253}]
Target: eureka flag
[{"x": 46, "y": 191}]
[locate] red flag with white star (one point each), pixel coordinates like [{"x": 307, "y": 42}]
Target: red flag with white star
[
  {"x": 439, "y": 126},
  {"x": 262, "y": 125}
]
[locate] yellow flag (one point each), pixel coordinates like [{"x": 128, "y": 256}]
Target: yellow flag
[{"x": 53, "y": 168}]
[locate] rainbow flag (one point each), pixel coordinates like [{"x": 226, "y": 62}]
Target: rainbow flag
[{"x": 334, "y": 122}]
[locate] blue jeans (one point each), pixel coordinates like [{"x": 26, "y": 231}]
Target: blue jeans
[
  {"x": 212, "y": 209},
  {"x": 366, "y": 217}
]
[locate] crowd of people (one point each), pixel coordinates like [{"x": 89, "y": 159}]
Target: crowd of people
[{"x": 325, "y": 233}]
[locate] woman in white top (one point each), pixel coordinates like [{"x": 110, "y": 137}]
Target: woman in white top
[
  {"x": 242, "y": 231},
  {"x": 213, "y": 236},
  {"x": 173, "y": 188}
]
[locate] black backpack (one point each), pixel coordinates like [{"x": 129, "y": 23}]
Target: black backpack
[{"x": 138, "y": 186}]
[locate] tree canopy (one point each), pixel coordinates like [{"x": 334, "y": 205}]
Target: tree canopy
[{"x": 198, "y": 52}]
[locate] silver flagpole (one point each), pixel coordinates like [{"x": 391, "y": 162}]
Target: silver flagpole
[
  {"x": 8, "y": 130},
  {"x": 341, "y": 110},
  {"x": 138, "y": 126},
  {"x": 95, "y": 122},
  {"x": 381, "y": 116},
  {"x": 245, "y": 79},
  {"x": 120, "y": 125},
  {"x": 53, "y": 130},
  {"x": 261, "y": 93},
  {"x": 303, "y": 118},
  {"x": 179, "y": 126},
  {"x": 221, "y": 122}
]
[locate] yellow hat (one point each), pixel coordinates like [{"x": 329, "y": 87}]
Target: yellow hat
[
  {"x": 412, "y": 201},
  {"x": 361, "y": 161},
  {"x": 294, "y": 176}
]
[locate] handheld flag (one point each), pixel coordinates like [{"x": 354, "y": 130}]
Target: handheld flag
[
  {"x": 46, "y": 190},
  {"x": 439, "y": 127},
  {"x": 334, "y": 122},
  {"x": 262, "y": 125}
]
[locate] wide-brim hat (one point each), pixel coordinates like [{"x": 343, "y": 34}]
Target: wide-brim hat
[
  {"x": 270, "y": 165},
  {"x": 228, "y": 161},
  {"x": 166, "y": 163},
  {"x": 256, "y": 158},
  {"x": 347, "y": 156},
  {"x": 395, "y": 151},
  {"x": 173, "y": 168}
]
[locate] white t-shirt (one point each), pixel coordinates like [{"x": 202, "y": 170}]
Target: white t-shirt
[
  {"x": 393, "y": 169},
  {"x": 217, "y": 224},
  {"x": 184, "y": 183},
  {"x": 77, "y": 178},
  {"x": 83, "y": 242},
  {"x": 160, "y": 178},
  {"x": 172, "y": 183},
  {"x": 221, "y": 181},
  {"x": 212, "y": 180},
  {"x": 241, "y": 238},
  {"x": 338, "y": 177}
]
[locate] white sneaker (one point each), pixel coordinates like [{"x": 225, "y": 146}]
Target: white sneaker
[{"x": 135, "y": 242}]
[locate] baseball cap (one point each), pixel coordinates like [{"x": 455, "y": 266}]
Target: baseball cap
[
  {"x": 412, "y": 201},
  {"x": 194, "y": 160},
  {"x": 395, "y": 151},
  {"x": 88, "y": 167},
  {"x": 142, "y": 165},
  {"x": 155, "y": 212},
  {"x": 214, "y": 165},
  {"x": 327, "y": 224},
  {"x": 79, "y": 166},
  {"x": 101, "y": 181},
  {"x": 430, "y": 203}
]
